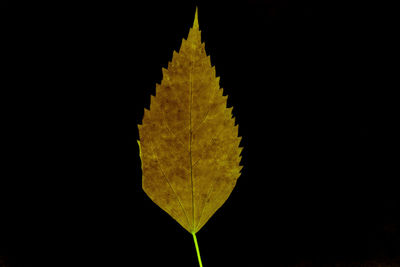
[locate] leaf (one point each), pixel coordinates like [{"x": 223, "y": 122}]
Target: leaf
[{"x": 189, "y": 143}]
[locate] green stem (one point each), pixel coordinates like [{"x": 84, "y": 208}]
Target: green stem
[{"x": 197, "y": 249}]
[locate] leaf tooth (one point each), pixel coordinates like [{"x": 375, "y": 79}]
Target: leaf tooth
[
  {"x": 146, "y": 115},
  {"x": 225, "y": 93},
  {"x": 240, "y": 149},
  {"x": 213, "y": 72},
  {"x": 220, "y": 93},
  {"x": 232, "y": 124},
  {"x": 152, "y": 98},
  {"x": 240, "y": 142},
  {"x": 240, "y": 168},
  {"x": 229, "y": 111},
  {"x": 157, "y": 88},
  {"x": 175, "y": 57},
  {"x": 236, "y": 128},
  {"x": 165, "y": 73}
]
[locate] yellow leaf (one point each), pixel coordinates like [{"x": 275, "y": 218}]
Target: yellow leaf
[{"x": 189, "y": 143}]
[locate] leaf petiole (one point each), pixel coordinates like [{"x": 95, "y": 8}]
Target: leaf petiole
[{"x": 197, "y": 248}]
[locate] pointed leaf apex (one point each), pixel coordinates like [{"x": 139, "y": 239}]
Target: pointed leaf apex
[{"x": 196, "y": 20}]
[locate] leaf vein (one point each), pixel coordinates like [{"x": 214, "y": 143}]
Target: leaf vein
[{"x": 166, "y": 179}]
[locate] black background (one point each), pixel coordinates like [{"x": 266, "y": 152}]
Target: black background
[{"x": 313, "y": 94}]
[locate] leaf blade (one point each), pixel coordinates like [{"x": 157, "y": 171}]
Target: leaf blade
[{"x": 190, "y": 144}]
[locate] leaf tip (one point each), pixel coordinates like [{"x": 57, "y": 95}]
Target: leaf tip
[{"x": 196, "y": 20}]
